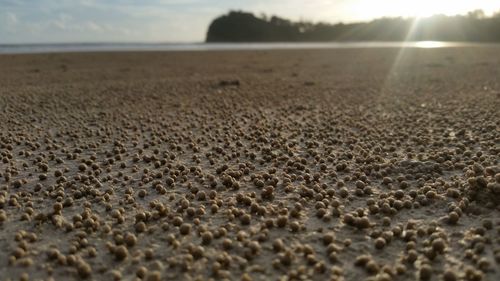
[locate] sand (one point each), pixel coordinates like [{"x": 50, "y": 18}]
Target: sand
[{"x": 352, "y": 164}]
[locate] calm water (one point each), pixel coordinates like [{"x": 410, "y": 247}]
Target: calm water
[{"x": 117, "y": 47}]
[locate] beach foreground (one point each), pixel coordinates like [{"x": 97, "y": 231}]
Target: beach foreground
[{"x": 352, "y": 164}]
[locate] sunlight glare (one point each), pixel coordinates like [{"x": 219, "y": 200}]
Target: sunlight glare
[{"x": 430, "y": 44}]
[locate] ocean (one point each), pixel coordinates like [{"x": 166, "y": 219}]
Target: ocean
[{"x": 121, "y": 47}]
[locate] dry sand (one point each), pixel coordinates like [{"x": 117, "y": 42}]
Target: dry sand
[{"x": 356, "y": 164}]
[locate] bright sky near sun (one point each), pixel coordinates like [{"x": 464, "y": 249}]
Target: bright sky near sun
[{"x": 43, "y": 21}]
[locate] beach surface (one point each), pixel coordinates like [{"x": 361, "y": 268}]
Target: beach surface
[{"x": 348, "y": 164}]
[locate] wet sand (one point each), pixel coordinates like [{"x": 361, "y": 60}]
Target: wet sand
[{"x": 352, "y": 164}]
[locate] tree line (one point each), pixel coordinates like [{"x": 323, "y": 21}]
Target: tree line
[{"x": 239, "y": 26}]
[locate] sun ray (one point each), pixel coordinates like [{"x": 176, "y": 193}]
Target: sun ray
[{"x": 387, "y": 85}]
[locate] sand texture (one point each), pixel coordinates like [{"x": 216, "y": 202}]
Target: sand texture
[{"x": 352, "y": 164}]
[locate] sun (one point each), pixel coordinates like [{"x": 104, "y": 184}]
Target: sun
[
  {"x": 426, "y": 8},
  {"x": 423, "y": 8}
]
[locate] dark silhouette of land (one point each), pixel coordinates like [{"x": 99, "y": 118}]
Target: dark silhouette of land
[{"x": 240, "y": 26}]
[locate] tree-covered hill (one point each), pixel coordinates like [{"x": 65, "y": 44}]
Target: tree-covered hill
[{"x": 239, "y": 26}]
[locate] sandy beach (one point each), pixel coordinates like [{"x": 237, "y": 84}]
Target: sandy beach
[{"x": 349, "y": 164}]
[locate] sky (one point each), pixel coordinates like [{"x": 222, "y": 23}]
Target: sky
[{"x": 65, "y": 21}]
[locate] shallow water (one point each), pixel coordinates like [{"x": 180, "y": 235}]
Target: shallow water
[{"x": 116, "y": 47}]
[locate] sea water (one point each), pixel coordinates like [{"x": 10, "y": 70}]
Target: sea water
[{"x": 117, "y": 47}]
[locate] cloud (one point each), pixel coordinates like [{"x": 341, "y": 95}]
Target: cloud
[
  {"x": 9, "y": 22},
  {"x": 61, "y": 21},
  {"x": 11, "y": 19}
]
